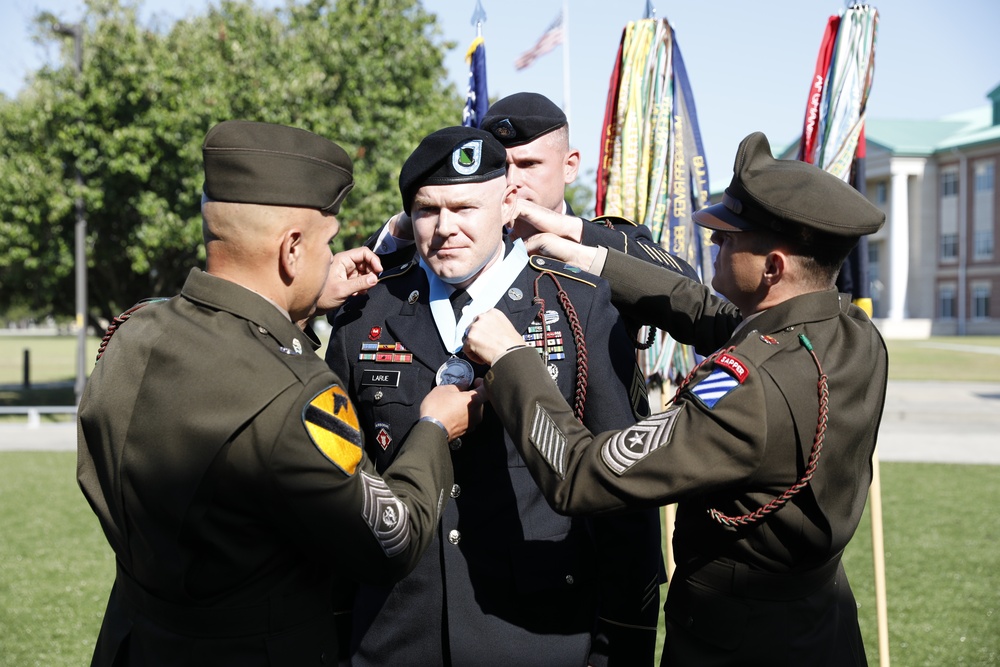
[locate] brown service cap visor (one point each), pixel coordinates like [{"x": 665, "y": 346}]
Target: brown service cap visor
[{"x": 721, "y": 217}]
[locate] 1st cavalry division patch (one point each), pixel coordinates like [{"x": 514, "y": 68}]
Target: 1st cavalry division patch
[{"x": 332, "y": 424}]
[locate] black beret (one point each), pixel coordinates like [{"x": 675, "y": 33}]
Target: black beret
[
  {"x": 275, "y": 165},
  {"x": 451, "y": 156},
  {"x": 782, "y": 195},
  {"x": 522, "y": 117}
]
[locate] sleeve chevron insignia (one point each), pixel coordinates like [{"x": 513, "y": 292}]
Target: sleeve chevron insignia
[{"x": 333, "y": 426}]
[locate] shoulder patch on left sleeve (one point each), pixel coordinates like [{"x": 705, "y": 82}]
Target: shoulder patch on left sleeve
[
  {"x": 333, "y": 426},
  {"x": 549, "y": 265},
  {"x": 729, "y": 374},
  {"x": 734, "y": 366}
]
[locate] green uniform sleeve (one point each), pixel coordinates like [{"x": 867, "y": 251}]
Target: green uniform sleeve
[
  {"x": 686, "y": 309},
  {"x": 688, "y": 448},
  {"x": 373, "y": 526}
]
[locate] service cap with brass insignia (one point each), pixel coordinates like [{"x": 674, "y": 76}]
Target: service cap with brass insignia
[{"x": 786, "y": 195}]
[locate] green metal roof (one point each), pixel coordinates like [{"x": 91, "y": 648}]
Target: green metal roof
[
  {"x": 965, "y": 129},
  {"x": 909, "y": 137},
  {"x": 920, "y": 138}
]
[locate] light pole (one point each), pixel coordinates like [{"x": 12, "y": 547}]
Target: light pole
[{"x": 75, "y": 31}]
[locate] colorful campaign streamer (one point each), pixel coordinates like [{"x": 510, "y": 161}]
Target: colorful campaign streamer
[
  {"x": 833, "y": 129},
  {"x": 838, "y": 97},
  {"x": 652, "y": 166}
]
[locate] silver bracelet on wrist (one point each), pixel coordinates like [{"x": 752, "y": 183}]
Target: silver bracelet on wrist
[{"x": 437, "y": 423}]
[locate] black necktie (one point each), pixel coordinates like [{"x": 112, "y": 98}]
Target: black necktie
[{"x": 459, "y": 298}]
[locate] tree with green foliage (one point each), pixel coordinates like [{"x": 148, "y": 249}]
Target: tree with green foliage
[
  {"x": 581, "y": 196},
  {"x": 368, "y": 74}
]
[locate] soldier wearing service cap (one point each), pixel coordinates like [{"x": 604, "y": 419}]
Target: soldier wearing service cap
[
  {"x": 767, "y": 446},
  {"x": 220, "y": 453},
  {"x": 507, "y": 580}
]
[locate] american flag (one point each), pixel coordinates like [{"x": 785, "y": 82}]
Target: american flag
[{"x": 552, "y": 38}]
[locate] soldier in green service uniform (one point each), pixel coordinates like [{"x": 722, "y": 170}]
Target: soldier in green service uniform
[
  {"x": 767, "y": 446},
  {"x": 220, "y": 453}
]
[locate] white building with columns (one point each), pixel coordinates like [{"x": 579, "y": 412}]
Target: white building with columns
[{"x": 935, "y": 267}]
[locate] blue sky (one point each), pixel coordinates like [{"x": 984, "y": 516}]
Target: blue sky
[{"x": 749, "y": 64}]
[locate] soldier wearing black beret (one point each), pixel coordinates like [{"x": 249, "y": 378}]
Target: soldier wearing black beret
[
  {"x": 220, "y": 453},
  {"x": 541, "y": 163},
  {"x": 507, "y": 581},
  {"x": 766, "y": 447}
]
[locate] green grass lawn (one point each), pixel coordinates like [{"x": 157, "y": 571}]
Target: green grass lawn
[
  {"x": 53, "y": 360},
  {"x": 51, "y": 371},
  {"x": 942, "y": 538},
  {"x": 945, "y": 358},
  {"x": 56, "y": 568},
  {"x": 942, "y": 561}
]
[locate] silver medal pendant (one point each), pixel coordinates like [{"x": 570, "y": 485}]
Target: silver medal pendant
[{"x": 457, "y": 372}]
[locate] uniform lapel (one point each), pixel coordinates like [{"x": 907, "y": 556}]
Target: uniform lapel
[
  {"x": 517, "y": 303},
  {"x": 414, "y": 327}
]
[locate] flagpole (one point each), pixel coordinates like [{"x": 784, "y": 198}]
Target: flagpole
[
  {"x": 565, "y": 45},
  {"x": 476, "y": 101}
]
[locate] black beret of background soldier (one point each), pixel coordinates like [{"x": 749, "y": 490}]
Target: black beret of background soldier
[
  {"x": 220, "y": 453},
  {"x": 541, "y": 164},
  {"x": 507, "y": 581},
  {"x": 767, "y": 446},
  {"x": 521, "y": 118}
]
